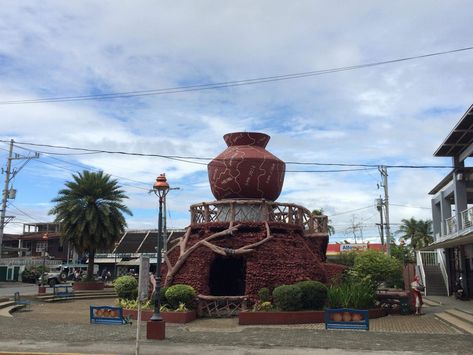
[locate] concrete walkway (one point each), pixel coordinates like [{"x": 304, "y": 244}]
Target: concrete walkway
[
  {"x": 8, "y": 289},
  {"x": 64, "y": 328}
]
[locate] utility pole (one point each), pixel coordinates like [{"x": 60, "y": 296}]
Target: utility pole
[
  {"x": 384, "y": 174},
  {"x": 379, "y": 207},
  {"x": 7, "y": 193}
]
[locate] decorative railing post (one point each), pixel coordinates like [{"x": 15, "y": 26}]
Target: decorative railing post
[
  {"x": 206, "y": 213},
  {"x": 265, "y": 211},
  {"x": 312, "y": 223},
  {"x": 232, "y": 211},
  {"x": 300, "y": 216}
]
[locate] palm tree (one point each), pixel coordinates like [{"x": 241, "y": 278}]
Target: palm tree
[
  {"x": 320, "y": 212},
  {"x": 419, "y": 232},
  {"x": 90, "y": 212}
]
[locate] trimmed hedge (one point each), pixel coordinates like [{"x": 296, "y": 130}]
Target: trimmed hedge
[
  {"x": 177, "y": 294},
  {"x": 287, "y": 297},
  {"x": 264, "y": 295},
  {"x": 314, "y": 294},
  {"x": 126, "y": 287}
]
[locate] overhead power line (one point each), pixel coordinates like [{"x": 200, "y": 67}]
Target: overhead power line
[
  {"x": 423, "y": 208},
  {"x": 356, "y": 209},
  {"x": 188, "y": 159},
  {"x": 225, "y": 84}
]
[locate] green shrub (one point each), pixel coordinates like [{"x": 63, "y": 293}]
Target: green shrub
[
  {"x": 264, "y": 295},
  {"x": 162, "y": 292},
  {"x": 379, "y": 267},
  {"x": 287, "y": 297},
  {"x": 126, "y": 287},
  {"x": 133, "y": 304},
  {"x": 346, "y": 258},
  {"x": 31, "y": 275},
  {"x": 314, "y": 294},
  {"x": 358, "y": 295},
  {"x": 263, "y": 307},
  {"x": 177, "y": 294},
  {"x": 181, "y": 308}
]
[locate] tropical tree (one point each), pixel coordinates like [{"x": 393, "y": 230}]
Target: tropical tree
[
  {"x": 320, "y": 212},
  {"x": 418, "y": 232},
  {"x": 90, "y": 212}
]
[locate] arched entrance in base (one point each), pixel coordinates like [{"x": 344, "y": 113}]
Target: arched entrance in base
[{"x": 227, "y": 276}]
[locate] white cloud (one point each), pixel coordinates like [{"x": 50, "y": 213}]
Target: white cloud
[{"x": 391, "y": 114}]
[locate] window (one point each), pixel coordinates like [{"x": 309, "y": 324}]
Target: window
[{"x": 41, "y": 246}]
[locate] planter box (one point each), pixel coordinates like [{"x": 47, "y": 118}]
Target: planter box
[
  {"x": 169, "y": 317},
  {"x": 88, "y": 285},
  {"x": 347, "y": 318},
  {"x": 298, "y": 317}
]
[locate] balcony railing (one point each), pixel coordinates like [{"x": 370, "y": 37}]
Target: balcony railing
[
  {"x": 451, "y": 225},
  {"x": 258, "y": 210},
  {"x": 467, "y": 218}
]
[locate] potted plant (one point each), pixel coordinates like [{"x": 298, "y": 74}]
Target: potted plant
[{"x": 352, "y": 294}]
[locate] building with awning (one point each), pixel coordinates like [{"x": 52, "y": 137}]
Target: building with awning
[
  {"x": 452, "y": 213},
  {"x": 133, "y": 243}
]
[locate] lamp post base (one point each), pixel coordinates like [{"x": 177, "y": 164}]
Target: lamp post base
[{"x": 156, "y": 329}]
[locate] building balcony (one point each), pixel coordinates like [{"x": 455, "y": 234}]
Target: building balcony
[{"x": 456, "y": 230}]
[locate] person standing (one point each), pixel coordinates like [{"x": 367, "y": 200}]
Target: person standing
[{"x": 416, "y": 289}]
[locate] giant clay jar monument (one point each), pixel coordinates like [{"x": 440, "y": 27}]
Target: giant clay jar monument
[
  {"x": 245, "y": 169},
  {"x": 245, "y": 240}
]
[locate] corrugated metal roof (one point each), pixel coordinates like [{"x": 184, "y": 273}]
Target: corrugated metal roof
[{"x": 459, "y": 138}]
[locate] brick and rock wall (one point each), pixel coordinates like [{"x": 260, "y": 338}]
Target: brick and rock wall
[{"x": 285, "y": 259}]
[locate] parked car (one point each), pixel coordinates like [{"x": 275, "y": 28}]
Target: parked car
[
  {"x": 54, "y": 277},
  {"x": 60, "y": 274}
]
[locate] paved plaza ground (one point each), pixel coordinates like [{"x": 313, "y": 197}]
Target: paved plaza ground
[{"x": 64, "y": 327}]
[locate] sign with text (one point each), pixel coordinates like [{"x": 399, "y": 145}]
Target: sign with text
[
  {"x": 143, "y": 279},
  {"x": 353, "y": 247}
]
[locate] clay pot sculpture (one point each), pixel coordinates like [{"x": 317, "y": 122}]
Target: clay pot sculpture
[
  {"x": 337, "y": 317},
  {"x": 346, "y": 316},
  {"x": 246, "y": 169},
  {"x": 356, "y": 317}
]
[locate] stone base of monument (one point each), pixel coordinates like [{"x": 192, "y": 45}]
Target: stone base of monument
[{"x": 156, "y": 330}]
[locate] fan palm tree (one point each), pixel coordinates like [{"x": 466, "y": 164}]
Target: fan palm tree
[
  {"x": 419, "y": 232},
  {"x": 320, "y": 212},
  {"x": 90, "y": 212}
]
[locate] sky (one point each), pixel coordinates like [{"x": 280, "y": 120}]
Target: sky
[{"x": 393, "y": 114}]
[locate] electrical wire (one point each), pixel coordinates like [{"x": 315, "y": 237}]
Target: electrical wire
[
  {"x": 82, "y": 166},
  {"x": 226, "y": 84},
  {"x": 423, "y": 208},
  {"x": 186, "y": 158},
  {"x": 357, "y": 209},
  {"x": 23, "y": 212}
]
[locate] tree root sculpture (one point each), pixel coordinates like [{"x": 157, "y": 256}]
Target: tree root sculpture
[{"x": 184, "y": 252}]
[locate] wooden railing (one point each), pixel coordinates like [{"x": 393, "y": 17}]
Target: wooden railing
[
  {"x": 221, "y": 306},
  {"x": 257, "y": 211}
]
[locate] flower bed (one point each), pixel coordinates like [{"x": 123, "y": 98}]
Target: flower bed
[
  {"x": 297, "y": 317},
  {"x": 169, "y": 317}
]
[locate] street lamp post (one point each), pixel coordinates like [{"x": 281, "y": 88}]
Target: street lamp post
[
  {"x": 160, "y": 188},
  {"x": 45, "y": 243}
]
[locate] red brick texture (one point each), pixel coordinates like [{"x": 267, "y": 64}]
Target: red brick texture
[{"x": 287, "y": 258}]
